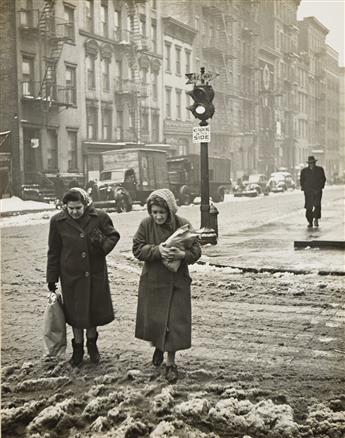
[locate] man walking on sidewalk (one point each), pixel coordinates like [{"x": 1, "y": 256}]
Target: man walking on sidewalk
[{"x": 312, "y": 182}]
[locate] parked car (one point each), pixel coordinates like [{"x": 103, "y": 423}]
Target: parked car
[
  {"x": 257, "y": 182},
  {"x": 280, "y": 182}
]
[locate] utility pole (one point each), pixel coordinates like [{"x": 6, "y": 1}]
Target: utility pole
[{"x": 203, "y": 109}]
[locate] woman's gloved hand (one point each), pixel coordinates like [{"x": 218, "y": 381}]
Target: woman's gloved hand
[{"x": 52, "y": 286}]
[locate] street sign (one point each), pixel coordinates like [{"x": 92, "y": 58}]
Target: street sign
[
  {"x": 194, "y": 78},
  {"x": 201, "y": 134}
]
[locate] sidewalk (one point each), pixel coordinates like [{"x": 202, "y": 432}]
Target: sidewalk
[{"x": 270, "y": 248}]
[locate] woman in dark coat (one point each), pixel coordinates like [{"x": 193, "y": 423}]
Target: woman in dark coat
[
  {"x": 164, "y": 298},
  {"x": 80, "y": 237}
]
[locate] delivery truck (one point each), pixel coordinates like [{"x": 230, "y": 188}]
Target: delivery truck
[{"x": 128, "y": 176}]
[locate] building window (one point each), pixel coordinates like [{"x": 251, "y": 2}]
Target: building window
[
  {"x": 188, "y": 57},
  {"x": 72, "y": 150},
  {"x": 69, "y": 23},
  {"x": 178, "y": 104},
  {"x": 89, "y": 15},
  {"x": 131, "y": 122},
  {"x": 104, "y": 19},
  {"x": 168, "y": 102},
  {"x": 189, "y": 102},
  {"x": 142, "y": 23},
  {"x": 119, "y": 124},
  {"x": 154, "y": 36},
  {"x": 167, "y": 57},
  {"x": 28, "y": 76},
  {"x": 178, "y": 60},
  {"x": 52, "y": 155},
  {"x": 91, "y": 72},
  {"x": 105, "y": 75},
  {"x": 154, "y": 86},
  {"x": 154, "y": 4},
  {"x": 155, "y": 127},
  {"x": 106, "y": 124},
  {"x": 145, "y": 121},
  {"x": 117, "y": 24},
  {"x": 26, "y": 17},
  {"x": 91, "y": 115},
  {"x": 71, "y": 92}
]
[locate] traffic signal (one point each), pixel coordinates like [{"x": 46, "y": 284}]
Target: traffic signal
[{"x": 202, "y": 108}]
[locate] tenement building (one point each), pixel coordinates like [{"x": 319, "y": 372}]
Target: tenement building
[{"x": 79, "y": 77}]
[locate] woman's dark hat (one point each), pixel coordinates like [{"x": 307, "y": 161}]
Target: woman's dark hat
[{"x": 311, "y": 159}]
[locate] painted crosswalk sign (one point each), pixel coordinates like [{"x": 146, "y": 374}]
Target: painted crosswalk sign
[{"x": 201, "y": 134}]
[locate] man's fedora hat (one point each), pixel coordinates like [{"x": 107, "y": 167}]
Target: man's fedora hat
[{"x": 311, "y": 159}]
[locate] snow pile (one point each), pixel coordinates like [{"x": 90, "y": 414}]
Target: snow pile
[
  {"x": 16, "y": 204},
  {"x": 44, "y": 383},
  {"x": 10, "y": 417},
  {"x": 262, "y": 417},
  {"x": 325, "y": 422},
  {"x": 100, "y": 405},
  {"x": 52, "y": 415},
  {"x": 163, "y": 430},
  {"x": 163, "y": 401},
  {"x": 193, "y": 408}
]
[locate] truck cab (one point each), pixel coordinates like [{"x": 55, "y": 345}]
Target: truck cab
[{"x": 185, "y": 181}]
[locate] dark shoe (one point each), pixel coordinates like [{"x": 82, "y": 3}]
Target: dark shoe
[
  {"x": 310, "y": 225},
  {"x": 78, "y": 354},
  {"x": 158, "y": 357},
  {"x": 91, "y": 345},
  {"x": 316, "y": 222},
  {"x": 171, "y": 374}
]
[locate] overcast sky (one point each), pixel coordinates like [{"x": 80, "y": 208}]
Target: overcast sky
[{"x": 331, "y": 14}]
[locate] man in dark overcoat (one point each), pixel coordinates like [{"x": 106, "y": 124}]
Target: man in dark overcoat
[{"x": 312, "y": 182}]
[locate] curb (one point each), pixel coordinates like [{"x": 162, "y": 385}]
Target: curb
[
  {"x": 273, "y": 270},
  {"x": 21, "y": 212},
  {"x": 332, "y": 244}
]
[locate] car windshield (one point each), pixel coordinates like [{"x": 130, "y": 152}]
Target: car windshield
[{"x": 113, "y": 175}]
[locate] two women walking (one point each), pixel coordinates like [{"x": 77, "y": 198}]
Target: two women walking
[{"x": 80, "y": 237}]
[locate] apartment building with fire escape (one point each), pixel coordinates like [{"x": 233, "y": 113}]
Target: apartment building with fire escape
[
  {"x": 88, "y": 80},
  {"x": 332, "y": 109},
  {"x": 226, "y": 44},
  {"x": 178, "y": 56},
  {"x": 312, "y": 38},
  {"x": 279, "y": 42}
]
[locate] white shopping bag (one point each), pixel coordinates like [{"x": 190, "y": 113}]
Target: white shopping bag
[{"x": 54, "y": 326}]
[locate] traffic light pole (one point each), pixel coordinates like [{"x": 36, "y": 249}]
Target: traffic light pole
[
  {"x": 206, "y": 233},
  {"x": 205, "y": 188}
]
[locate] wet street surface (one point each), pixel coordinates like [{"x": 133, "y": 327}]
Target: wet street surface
[{"x": 267, "y": 356}]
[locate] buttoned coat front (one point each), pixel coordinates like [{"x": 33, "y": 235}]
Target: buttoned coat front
[
  {"x": 164, "y": 297},
  {"x": 79, "y": 263}
]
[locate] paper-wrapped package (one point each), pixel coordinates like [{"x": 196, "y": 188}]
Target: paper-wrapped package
[{"x": 182, "y": 238}]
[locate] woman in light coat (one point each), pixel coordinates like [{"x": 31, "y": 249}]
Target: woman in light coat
[
  {"x": 80, "y": 237},
  {"x": 164, "y": 297}
]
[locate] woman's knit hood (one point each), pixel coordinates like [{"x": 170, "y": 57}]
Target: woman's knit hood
[{"x": 168, "y": 197}]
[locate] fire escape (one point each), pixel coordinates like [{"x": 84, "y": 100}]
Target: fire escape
[
  {"x": 133, "y": 90},
  {"x": 49, "y": 31},
  {"x": 221, "y": 44}
]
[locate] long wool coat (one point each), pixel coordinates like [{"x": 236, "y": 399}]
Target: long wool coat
[
  {"x": 164, "y": 297},
  {"x": 78, "y": 260}
]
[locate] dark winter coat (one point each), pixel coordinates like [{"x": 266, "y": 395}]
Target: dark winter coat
[
  {"x": 312, "y": 179},
  {"x": 164, "y": 297},
  {"x": 76, "y": 256}
]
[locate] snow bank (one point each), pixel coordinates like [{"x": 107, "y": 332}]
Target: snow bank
[{"x": 14, "y": 204}]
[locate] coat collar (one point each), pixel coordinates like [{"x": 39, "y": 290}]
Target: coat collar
[{"x": 63, "y": 215}]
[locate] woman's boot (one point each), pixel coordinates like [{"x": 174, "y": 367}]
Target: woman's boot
[
  {"x": 91, "y": 345},
  {"x": 78, "y": 354}
]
